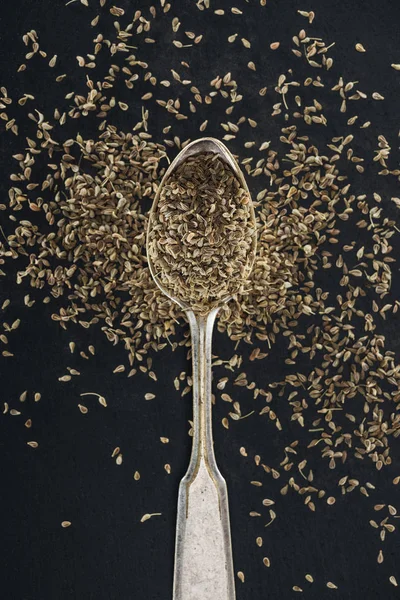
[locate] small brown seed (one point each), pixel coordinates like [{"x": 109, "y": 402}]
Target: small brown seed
[
  {"x": 66, "y": 524},
  {"x": 266, "y": 561}
]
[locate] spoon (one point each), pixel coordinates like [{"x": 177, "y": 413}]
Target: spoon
[{"x": 203, "y": 550}]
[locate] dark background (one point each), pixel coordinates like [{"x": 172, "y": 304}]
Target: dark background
[{"x": 107, "y": 553}]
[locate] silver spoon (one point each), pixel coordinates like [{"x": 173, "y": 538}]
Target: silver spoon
[{"x": 203, "y": 551}]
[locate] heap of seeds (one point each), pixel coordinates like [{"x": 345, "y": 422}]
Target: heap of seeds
[
  {"x": 202, "y": 231},
  {"x": 80, "y": 207}
]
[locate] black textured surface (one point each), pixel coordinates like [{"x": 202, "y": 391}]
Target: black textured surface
[{"x": 107, "y": 554}]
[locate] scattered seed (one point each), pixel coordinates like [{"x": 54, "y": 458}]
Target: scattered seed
[
  {"x": 66, "y": 524},
  {"x": 266, "y": 562},
  {"x": 331, "y": 586},
  {"x": 65, "y": 378},
  {"x": 148, "y": 516}
]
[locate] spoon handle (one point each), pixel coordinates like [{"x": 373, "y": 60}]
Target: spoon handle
[{"x": 203, "y": 551}]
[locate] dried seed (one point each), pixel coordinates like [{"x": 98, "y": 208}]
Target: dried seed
[
  {"x": 148, "y": 516},
  {"x": 266, "y": 561},
  {"x": 331, "y": 586},
  {"x": 65, "y": 378}
]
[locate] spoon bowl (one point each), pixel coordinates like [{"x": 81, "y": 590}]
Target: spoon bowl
[{"x": 199, "y": 146}]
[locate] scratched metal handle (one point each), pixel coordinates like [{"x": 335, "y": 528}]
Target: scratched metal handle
[{"x": 203, "y": 551}]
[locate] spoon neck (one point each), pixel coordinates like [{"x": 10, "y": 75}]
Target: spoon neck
[{"x": 201, "y": 331}]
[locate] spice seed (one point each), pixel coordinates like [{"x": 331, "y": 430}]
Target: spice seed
[
  {"x": 331, "y": 585},
  {"x": 148, "y": 516},
  {"x": 66, "y": 524}
]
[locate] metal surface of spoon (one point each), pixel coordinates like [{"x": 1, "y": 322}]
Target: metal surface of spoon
[{"x": 203, "y": 551}]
